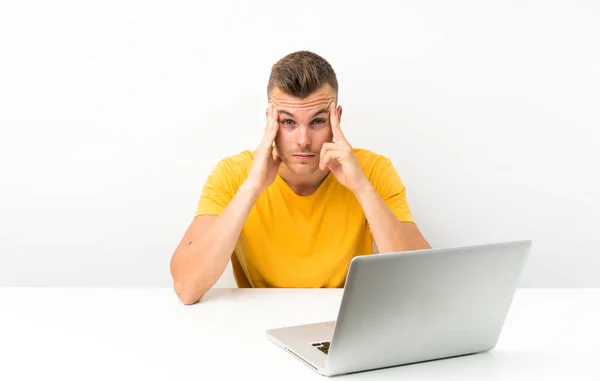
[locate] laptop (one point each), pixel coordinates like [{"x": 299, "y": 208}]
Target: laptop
[{"x": 410, "y": 307}]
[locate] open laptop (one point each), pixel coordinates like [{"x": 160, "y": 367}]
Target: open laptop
[{"x": 403, "y": 308}]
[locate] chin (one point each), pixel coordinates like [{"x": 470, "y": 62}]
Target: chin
[
  {"x": 304, "y": 172},
  {"x": 302, "y": 169}
]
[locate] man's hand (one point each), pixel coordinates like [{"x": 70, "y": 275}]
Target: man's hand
[
  {"x": 339, "y": 157},
  {"x": 266, "y": 162}
]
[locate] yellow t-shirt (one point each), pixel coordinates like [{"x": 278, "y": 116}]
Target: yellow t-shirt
[{"x": 301, "y": 241}]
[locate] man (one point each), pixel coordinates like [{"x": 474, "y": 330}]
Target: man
[{"x": 294, "y": 212}]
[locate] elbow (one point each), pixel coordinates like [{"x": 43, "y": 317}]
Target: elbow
[
  {"x": 185, "y": 291},
  {"x": 187, "y": 294},
  {"x": 188, "y": 300},
  {"x": 425, "y": 245},
  {"x": 422, "y": 245}
]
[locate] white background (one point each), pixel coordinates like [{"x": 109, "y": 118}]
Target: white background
[{"x": 112, "y": 113}]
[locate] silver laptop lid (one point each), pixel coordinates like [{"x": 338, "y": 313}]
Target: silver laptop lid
[{"x": 401, "y": 308}]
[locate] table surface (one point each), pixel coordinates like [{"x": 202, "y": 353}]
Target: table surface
[{"x": 147, "y": 334}]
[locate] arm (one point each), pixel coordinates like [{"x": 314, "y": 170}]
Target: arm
[
  {"x": 389, "y": 233},
  {"x": 205, "y": 249}
]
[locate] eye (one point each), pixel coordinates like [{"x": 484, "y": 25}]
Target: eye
[
  {"x": 319, "y": 121},
  {"x": 285, "y": 122}
]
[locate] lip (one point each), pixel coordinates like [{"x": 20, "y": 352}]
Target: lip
[{"x": 304, "y": 156}]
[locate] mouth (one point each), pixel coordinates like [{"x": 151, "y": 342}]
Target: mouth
[{"x": 303, "y": 156}]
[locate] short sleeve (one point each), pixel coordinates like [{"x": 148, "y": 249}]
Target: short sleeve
[
  {"x": 390, "y": 188},
  {"x": 219, "y": 189}
]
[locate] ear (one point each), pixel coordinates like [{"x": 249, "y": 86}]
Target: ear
[{"x": 339, "y": 110}]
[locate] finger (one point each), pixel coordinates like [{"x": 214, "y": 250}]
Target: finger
[
  {"x": 334, "y": 120},
  {"x": 271, "y": 128},
  {"x": 324, "y": 148},
  {"x": 269, "y": 116},
  {"x": 329, "y": 146},
  {"x": 274, "y": 125},
  {"x": 329, "y": 156}
]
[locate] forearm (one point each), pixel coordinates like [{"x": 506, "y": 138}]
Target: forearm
[
  {"x": 389, "y": 234},
  {"x": 205, "y": 257}
]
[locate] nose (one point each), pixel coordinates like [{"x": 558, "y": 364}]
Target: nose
[{"x": 303, "y": 138}]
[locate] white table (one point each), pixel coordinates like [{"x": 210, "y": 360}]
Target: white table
[{"x": 147, "y": 334}]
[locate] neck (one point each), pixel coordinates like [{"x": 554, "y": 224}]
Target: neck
[{"x": 303, "y": 185}]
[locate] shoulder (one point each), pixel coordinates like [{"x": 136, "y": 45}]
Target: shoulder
[
  {"x": 239, "y": 162},
  {"x": 223, "y": 182},
  {"x": 371, "y": 162},
  {"x": 234, "y": 168},
  {"x": 382, "y": 173}
]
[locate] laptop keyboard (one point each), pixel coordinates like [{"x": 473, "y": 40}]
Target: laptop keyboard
[{"x": 323, "y": 346}]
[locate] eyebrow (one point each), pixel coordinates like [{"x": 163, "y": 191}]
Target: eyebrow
[{"x": 322, "y": 111}]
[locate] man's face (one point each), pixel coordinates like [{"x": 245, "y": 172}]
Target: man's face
[{"x": 303, "y": 128}]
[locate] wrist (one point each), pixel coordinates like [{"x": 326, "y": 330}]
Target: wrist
[
  {"x": 251, "y": 188},
  {"x": 363, "y": 189}
]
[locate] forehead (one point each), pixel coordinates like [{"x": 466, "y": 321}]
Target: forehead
[{"x": 300, "y": 107}]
